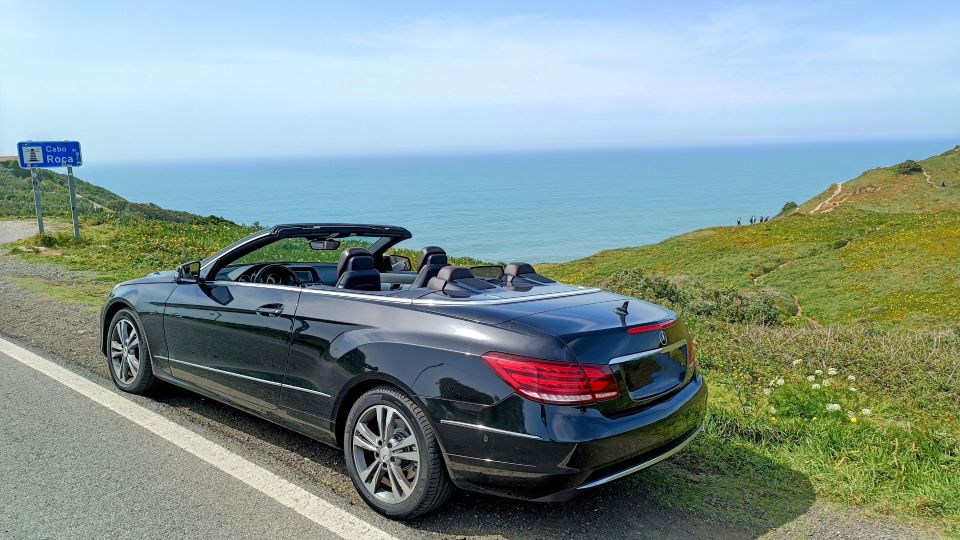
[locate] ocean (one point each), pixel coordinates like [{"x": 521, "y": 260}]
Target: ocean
[{"x": 517, "y": 206}]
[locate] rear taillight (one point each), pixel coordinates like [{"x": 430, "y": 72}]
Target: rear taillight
[
  {"x": 652, "y": 327},
  {"x": 561, "y": 383},
  {"x": 691, "y": 355}
]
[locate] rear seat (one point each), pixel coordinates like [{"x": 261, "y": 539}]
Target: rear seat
[
  {"x": 524, "y": 272},
  {"x": 457, "y": 280}
]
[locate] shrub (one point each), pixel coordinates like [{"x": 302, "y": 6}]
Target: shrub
[
  {"x": 789, "y": 207},
  {"x": 692, "y": 297},
  {"x": 909, "y": 167}
]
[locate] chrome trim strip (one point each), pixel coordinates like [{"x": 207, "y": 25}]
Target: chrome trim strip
[
  {"x": 410, "y": 301},
  {"x": 317, "y": 392},
  {"x": 198, "y": 366},
  {"x": 644, "y": 354},
  {"x": 488, "y": 460},
  {"x": 264, "y": 381},
  {"x": 490, "y": 429},
  {"x": 498, "y": 301},
  {"x": 644, "y": 465}
]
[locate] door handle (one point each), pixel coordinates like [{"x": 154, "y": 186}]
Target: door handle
[{"x": 270, "y": 310}]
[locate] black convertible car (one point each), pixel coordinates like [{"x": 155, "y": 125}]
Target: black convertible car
[{"x": 494, "y": 379}]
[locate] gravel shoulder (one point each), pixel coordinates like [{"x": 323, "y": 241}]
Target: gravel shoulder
[
  {"x": 70, "y": 332},
  {"x": 11, "y": 231}
]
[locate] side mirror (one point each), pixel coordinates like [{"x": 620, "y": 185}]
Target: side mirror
[
  {"x": 189, "y": 272},
  {"x": 399, "y": 263}
]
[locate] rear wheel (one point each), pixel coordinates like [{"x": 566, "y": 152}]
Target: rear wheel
[
  {"x": 129, "y": 356},
  {"x": 393, "y": 456}
]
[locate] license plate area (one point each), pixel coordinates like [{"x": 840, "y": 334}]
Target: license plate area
[{"x": 651, "y": 375}]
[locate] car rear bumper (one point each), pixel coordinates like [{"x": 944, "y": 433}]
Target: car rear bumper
[{"x": 526, "y": 450}]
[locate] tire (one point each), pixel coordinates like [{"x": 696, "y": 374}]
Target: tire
[
  {"x": 431, "y": 485},
  {"x": 128, "y": 356}
]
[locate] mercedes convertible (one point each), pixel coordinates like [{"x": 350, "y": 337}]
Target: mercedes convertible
[{"x": 429, "y": 376}]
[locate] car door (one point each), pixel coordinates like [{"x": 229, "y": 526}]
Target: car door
[{"x": 231, "y": 338}]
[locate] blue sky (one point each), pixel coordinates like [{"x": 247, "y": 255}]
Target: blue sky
[{"x": 135, "y": 80}]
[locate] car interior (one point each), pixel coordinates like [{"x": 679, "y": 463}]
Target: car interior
[{"x": 357, "y": 269}]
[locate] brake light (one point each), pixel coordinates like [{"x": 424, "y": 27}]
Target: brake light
[
  {"x": 691, "y": 355},
  {"x": 652, "y": 327},
  {"x": 562, "y": 383}
]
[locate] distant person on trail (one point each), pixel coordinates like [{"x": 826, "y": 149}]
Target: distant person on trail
[
  {"x": 943, "y": 183},
  {"x": 738, "y": 222},
  {"x": 753, "y": 219}
]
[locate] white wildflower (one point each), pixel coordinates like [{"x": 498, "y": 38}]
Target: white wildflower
[
  {"x": 833, "y": 407},
  {"x": 811, "y": 378},
  {"x": 832, "y": 372},
  {"x": 818, "y": 372},
  {"x": 866, "y": 412},
  {"x": 851, "y": 378},
  {"x": 780, "y": 381},
  {"x": 797, "y": 362},
  {"x": 853, "y": 388},
  {"x": 815, "y": 386},
  {"x": 773, "y": 410},
  {"x": 827, "y": 382},
  {"x": 766, "y": 391}
]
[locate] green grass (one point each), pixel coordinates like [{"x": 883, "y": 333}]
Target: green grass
[
  {"x": 118, "y": 248},
  {"x": 89, "y": 295},
  {"x": 902, "y": 459},
  {"x": 843, "y": 267}
]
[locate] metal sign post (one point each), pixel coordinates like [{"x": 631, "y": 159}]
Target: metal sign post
[
  {"x": 36, "y": 198},
  {"x": 73, "y": 204},
  {"x": 52, "y": 154}
]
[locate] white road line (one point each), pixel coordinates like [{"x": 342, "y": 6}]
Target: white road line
[{"x": 317, "y": 510}]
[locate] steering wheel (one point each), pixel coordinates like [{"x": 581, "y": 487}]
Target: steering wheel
[{"x": 275, "y": 274}]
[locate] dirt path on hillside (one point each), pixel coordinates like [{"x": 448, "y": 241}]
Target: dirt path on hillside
[
  {"x": 829, "y": 201},
  {"x": 811, "y": 320},
  {"x": 11, "y": 231},
  {"x": 926, "y": 175}
]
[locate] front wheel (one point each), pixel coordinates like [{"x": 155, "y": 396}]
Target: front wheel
[
  {"x": 393, "y": 457},
  {"x": 129, "y": 357}
]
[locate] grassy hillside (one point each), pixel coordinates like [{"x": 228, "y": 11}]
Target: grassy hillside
[
  {"x": 930, "y": 185},
  {"x": 16, "y": 193},
  {"x": 887, "y": 254},
  {"x": 16, "y": 197}
]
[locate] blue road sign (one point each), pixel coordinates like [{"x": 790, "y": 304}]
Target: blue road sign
[{"x": 49, "y": 154}]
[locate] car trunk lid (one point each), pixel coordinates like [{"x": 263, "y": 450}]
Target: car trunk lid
[{"x": 644, "y": 344}]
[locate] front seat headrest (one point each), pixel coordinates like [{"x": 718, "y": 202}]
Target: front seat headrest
[
  {"x": 355, "y": 258},
  {"x": 432, "y": 255},
  {"x": 357, "y": 270}
]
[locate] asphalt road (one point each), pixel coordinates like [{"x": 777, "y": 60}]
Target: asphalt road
[{"x": 72, "y": 468}]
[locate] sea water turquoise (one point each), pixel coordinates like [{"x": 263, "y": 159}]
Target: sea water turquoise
[{"x": 531, "y": 206}]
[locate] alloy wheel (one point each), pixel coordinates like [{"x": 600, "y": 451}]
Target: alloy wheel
[
  {"x": 125, "y": 351},
  {"x": 386, "y": 454}
]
